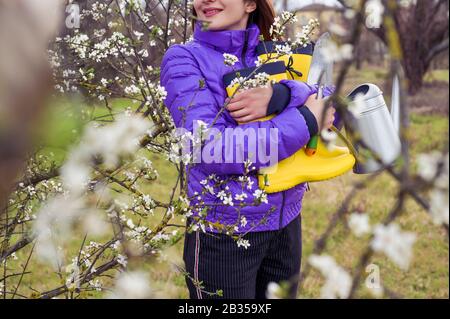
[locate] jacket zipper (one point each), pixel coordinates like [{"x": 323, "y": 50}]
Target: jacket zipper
[
  {"x": 282, "y": 208},
  {"x": 244, "y": 63},
  {"x": 244, "y": 50}
]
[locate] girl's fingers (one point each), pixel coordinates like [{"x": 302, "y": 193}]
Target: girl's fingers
[
  {"x": 330, "y": 122},
  {"x": 240, "y": 113},
  {"x": 246, "y": 119},
  {"x": 232, "y": 107},
  {"x": 239, "y": 96}
]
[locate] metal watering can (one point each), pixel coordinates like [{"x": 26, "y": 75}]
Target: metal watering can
[{"x": 378, "y": 128}]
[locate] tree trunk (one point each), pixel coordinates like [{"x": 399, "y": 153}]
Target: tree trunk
[{"x": 423, "y": 33}]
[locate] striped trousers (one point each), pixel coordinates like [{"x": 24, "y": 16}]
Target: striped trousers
[{"x": 215, "y": 262}]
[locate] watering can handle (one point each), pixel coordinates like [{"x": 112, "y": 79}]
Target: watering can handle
[
  {"x": 395, "y": 104},
  {"x": 311, "y": 147}
]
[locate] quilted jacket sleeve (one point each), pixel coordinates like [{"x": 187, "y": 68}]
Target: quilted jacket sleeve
[
  {"x": 181, "y": 77},
  {"x": 297, "y": 91}
]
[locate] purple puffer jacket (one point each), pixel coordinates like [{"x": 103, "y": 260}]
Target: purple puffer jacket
[{"x": 182, "y": 68}]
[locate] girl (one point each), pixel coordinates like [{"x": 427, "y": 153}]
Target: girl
[{"x": 270, "y": 250}]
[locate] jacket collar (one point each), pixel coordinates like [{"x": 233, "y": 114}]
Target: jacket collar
[{"x": 228, "y": 41}]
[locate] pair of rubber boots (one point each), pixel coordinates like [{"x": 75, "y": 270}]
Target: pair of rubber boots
[{"x": 299, "y": 168}]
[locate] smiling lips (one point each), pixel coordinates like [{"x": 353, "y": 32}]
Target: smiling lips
[{"x": 211, "y": 12}]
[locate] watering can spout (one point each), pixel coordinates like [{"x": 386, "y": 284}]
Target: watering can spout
[{"x": 395, "y": 104}]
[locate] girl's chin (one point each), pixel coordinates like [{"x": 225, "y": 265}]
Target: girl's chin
[{"x": 214, "y": 25}]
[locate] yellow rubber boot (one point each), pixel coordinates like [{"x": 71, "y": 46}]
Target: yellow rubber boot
[{"x": 298, "y": 168}]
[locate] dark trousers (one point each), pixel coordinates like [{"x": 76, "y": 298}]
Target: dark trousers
[{"x": 215, "y": 262}]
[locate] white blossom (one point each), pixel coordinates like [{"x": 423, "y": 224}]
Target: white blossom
[
  {"x": 228, "y": 201},
  {"x": 138, "y": 34},
  {"x": 335, "y": 53},
  {"x": 94, "y": 224},
  {"x": 73, "y": 279},
  {"x": 258, "y": 80},
  {"x": 75, "y": 172},
  {"x": 428, "y": 165},
  {"x": 138, "y": 5},
  {"x": 119, "y": 138},
  {"x": 230, "y": 59},
  {"x": 243, "y": 243},
  {"x": 338, "y": 281},
  {"x": 274, "y": 291},
  {"x": 122, "y": 260},
  {"x": 52, "y": 225},
  {"x": 303, "y": 38},
  {"x": 283, "y": 49},
  {"x": 148, "y": 201},
  {"x": 328, "y": 136},
  {"x": 261, "y": 195},
  {"x": 96, "y": 284},
  {"x": 396, "y": 244},
  {"x": 439, "y": 206},
  {"x": 243, "y": 221},
  {"x": 359, "y": 224},
  {"x": 132, "y": 285},
  {"x": 222, "y": 195},
  {"x": 279, "y": 25},
  {"x": 374, "y": 12},
  {"x": 240, "y": 197}
]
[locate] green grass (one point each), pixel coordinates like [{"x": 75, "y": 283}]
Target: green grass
[
  {"x": 432, "y": 133},
  {"x": 437, "y": 75},
  {"x": 428, "y": 276}
]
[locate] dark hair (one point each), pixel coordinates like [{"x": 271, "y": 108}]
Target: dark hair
[{"x": 263, "y": 16}]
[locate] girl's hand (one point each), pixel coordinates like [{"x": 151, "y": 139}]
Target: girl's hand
[
  {"x": 250, "y": 105},
  {"x": 317, "y": 106}
]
